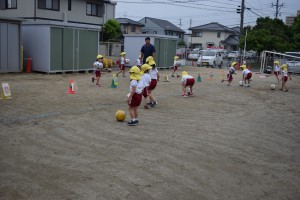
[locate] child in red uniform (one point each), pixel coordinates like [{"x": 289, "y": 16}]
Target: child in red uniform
[
  {"x": 135, "y": 95},
  {"x": 230, "y": 72},
  {"x": 284, "y": 78},
  {"x": 97, "y": 63},
  {"x": 176, "y": 65},
  {"x": 187, "y": 81}
]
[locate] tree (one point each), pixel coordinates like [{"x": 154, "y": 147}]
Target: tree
[
  {"x": 111, "y": 30},
  {"x": 295, "y": 29},
  {"x": 268, "y": 34}
]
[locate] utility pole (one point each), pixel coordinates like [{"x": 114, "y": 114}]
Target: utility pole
[
  {"x": 278, "y": 7},
  {"x": 241, "y": 25},
  {"x": 180, "y": 22}
]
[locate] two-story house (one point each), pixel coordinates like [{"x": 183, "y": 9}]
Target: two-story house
[
  {"x": 129, "y": 26},
  {"x": 212, "y": 35},
  {"x": 60, "y": 35},
  {"x": 161, "y": 27}
]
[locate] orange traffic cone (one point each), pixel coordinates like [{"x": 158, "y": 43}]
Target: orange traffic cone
[{"x": 72, "y": 87}]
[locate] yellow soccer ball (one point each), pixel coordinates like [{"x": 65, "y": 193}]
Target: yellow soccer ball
[{"x": 120, "y": 115}]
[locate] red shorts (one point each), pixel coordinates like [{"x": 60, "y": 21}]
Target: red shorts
[
  {"x": 122, "y": 67},
  {"x": 190, "y": 82},
  {"x": 145, "y": 92},
  {"x": 248, "y": 76},
  {"x": 175, "y": 68},
  {"x": 284, "y": 78},
  {"x": 229, "y": 77},
  {"x": 136, "y": 100},
  {"x": 98, "y": 73},
  {"x": 276, "y": 73},
  {"x": 153, "y": 84}
]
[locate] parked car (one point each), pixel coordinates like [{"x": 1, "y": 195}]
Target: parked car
[
  {"x": 182, "y": 52},
  {"x": 211, "y": 58},
  {"x": 293, "y": 63},
  {"x": 233, "y": 54},
  {"x": 224, "y": 54},
  {"x": 194, "y": 55}
]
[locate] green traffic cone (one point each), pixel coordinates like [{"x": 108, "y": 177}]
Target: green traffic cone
[
  {"x": 114, "y": 82},
  {"x": 199, "y": 78}
]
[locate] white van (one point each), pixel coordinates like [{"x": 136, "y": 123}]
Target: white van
[{"x": 210, "y": 58}]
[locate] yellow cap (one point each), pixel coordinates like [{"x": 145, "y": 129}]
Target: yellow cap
[
  {"x": 150, "y": 61},
  {"x": 176, "y": 57},
  {"x": 135, "y": 73},
  {"x": 284, "y": 66},
  {"x": 144, "y": 68},
  {"x": 243, "y": 67},
  {"x": 276, "y": 62},
  {"x": 184, "y": 73},
  {"x": 233, "y": 64},
  {"x": 123, "y": 53},
  {"x": 99, "y": 56}
]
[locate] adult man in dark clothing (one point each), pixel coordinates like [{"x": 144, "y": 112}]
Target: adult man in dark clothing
[{"x": 147, "y": 50}]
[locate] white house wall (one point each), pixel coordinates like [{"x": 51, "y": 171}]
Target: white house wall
[{"x": 207, "y": 37}]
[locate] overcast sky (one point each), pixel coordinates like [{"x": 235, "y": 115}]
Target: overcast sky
[{"x": 182, "y": 13}]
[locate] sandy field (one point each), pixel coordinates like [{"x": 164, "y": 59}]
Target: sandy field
[{"x": 226, "y": 142}]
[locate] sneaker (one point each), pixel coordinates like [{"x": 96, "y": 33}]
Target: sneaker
[
  {"x": 153, "y": 104},
  {"x": 132, "y": 123},
  {"x": 191, "y": 94},
  {"x": 222, "y": 80},
  {"x": 185, "y": 95},
  {"x": 93, "y": 79},
  {"x": 149, "y": 103},
  {"x": 146, "y": 107},
  {"x": 136, "y": 121},
  {"x": 172, "y": 75}
]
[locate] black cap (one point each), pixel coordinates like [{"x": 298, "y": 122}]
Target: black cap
[{"x": 147, "y": 38}]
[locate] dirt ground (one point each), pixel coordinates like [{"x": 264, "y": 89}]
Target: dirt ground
[{"x": 226, "y": 142}]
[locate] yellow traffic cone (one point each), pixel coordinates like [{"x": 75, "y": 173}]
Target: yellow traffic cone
[{"x": 166, "y": 78}]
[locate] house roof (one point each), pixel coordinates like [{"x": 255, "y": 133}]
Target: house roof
[
  {"x": 128, "y": 21},
  {"x": 231, "y": 40},
  {"x": 166, "y": 25},
  {"x": 213, "y": 26}
]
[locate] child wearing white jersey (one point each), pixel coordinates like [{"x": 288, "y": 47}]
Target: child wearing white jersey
[
  {"x": 247, "y": 75},
  {"x": 146, "y": 79},
  {"x": 135, "y": 95},
  {"x": 187, "y": 81},
  {"x": 154, "y": 78},
  {"x": 284, "y": 78},
  {"x": 277, "y": 70}
]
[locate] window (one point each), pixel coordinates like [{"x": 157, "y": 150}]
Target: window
[
  {"x": 94, "y": 9},
  {"x": 69, "y": 4},
  {"x": 133, "y": 28},
  {"x": 48, "y": 4},
  {"x": 154, "y": 32},
  {"x": 219, "y": 34},
  {"x": 199, "y": 34},
  {"x": 8, "y": 4}
]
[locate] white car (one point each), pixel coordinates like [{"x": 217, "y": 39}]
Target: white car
[
  {"x": 233, "y": 54},
  {"x": 194, "y": 55},
  {"x": 210, "y": 58}
]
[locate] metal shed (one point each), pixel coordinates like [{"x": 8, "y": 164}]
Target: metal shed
[
  {"x": 60, "y": 46},
  {"x": 165, "y": 47},
  {"x": 10, "y": 46}
]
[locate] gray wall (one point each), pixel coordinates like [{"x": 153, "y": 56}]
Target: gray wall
[
  {"x": 10, "y": 47},
  {"x": 150, "y": 27}
]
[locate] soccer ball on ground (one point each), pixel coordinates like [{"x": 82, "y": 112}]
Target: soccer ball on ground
[
  {"x": 127, "y": 61},
  {"x": 273, "y": 87},
  {"x": 120, "y": 115},
  {"x": 241, "y": 83}
]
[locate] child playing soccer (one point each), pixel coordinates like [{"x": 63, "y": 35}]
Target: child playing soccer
[
  {"x": 135, "y": 95},
  {"x": 122, "y": 63},
  {"x": 176, "y": 64},
  {"x": 230, "y": 72},
  {"x": 247, "y": 74},
  {"x": 187, "y": 81},
  {"x": 276, "y": 70},
  {"x": 97, "y": 63},
  {"x": 284, "y": 77},
  {"x": 138, "y": 62},
  {"x": 154, "y": 78},
  {"x": 146, "y": 79}
]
